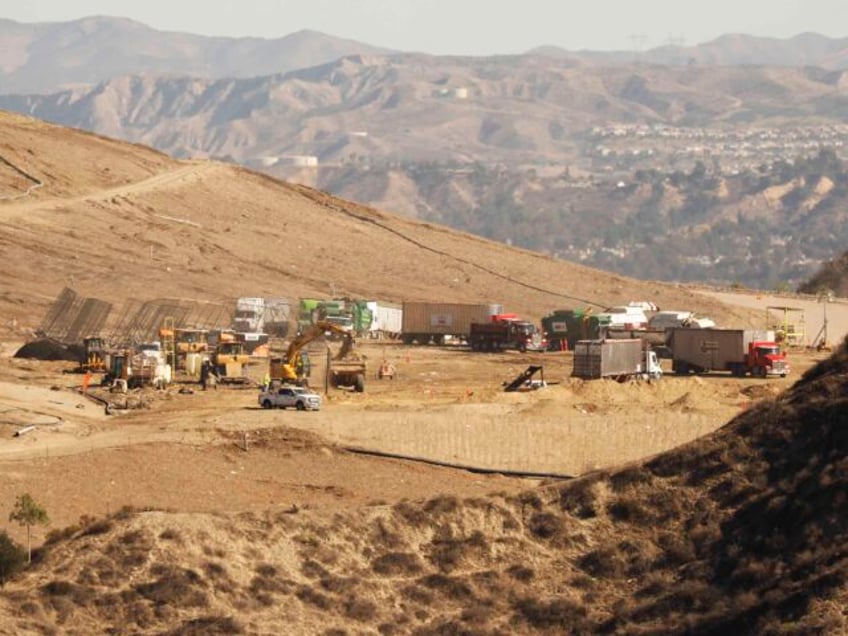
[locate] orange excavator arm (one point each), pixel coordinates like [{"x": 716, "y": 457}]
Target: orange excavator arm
[{"x": 313, "y": 333}]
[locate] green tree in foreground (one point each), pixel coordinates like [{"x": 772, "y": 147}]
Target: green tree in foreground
[
  {"x": 12, "y": 558},
  {"x": 28, "y": 513}
]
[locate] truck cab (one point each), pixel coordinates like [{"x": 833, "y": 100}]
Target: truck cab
[
  {"x": 766, "y": 358},
  {"x": 653, "y": 370}
]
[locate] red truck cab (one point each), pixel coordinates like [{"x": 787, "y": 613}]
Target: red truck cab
[
  {"x": 506, "y": 331},
  {"x": 766, "y": 358}
]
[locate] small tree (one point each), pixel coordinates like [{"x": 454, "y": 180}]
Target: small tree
[
  {"x": 28, "y": 513},
  {"x": 12, "y": 558}
]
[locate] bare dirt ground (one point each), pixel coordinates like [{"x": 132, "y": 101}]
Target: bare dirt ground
[{"x": 186, "y": 451}]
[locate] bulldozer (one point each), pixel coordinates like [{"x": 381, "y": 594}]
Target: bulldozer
[
  {"x": 94, "y": 355},
  {"x": 346, "y": 369},
  {"x": 228, "y": 361}
]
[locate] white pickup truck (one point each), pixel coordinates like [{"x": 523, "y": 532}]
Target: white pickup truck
[{"x": 290, "y": 396}]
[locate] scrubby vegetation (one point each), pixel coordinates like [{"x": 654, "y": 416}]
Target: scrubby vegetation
[
  {"x": 744, "y": 531},
  {"x": 832, "y": 277}
]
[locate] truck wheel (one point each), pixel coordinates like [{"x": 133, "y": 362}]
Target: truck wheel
[
  {"x": 359, "y": 383},
  {"x": 300, "y": 406},
  {"x": 522, "y": 348},
  {"x": 266, "y": 404}
]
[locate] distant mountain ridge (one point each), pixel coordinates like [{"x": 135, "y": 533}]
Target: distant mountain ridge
[
  {"x": 46, "y": 57},
  {"x": 734, "y": 49},
  {"x": 43, "y": 57},
  {"x": 416, "y": 107}
]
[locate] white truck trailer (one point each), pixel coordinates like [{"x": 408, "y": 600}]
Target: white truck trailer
[
  {"x": 617, "y": 359},
  {"x": 386, "y": 319}
]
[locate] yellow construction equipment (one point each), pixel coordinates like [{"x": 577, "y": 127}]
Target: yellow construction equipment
[
  {"x": 789, "y": 325},
  {"x": 346, "y": 367}
]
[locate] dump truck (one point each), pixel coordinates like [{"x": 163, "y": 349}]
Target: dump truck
[
  {"x": 425, "y": 322},
  {"x": 740, "y": 351},
  {"x": 146, "y": 366},
  {"x": 505, "y": 331},
  {"x": 228, "y": 361},
  {"x": 617, "y": 359},
  {"x": 263, "y": 315}
]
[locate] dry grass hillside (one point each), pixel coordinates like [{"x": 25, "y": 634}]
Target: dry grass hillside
[
  {"x": 744, "y": 531},
  {"x": 117, "y": 221}
]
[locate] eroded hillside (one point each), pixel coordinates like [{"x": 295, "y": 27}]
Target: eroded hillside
[{"x": 117, "y": 221}]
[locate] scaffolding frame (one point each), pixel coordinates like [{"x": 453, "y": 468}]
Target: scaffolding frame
[{"x": 790, "y": 333}]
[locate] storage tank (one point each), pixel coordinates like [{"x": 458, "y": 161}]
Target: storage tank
[{"x": 193, "y": 362}]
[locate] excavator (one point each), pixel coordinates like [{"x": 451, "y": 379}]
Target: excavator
[{"x": 346, "y": 368}]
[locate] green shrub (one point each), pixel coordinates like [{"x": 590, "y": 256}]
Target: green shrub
[{"x": 12, "y": 558}]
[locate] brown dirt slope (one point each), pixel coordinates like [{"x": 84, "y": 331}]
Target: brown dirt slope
[
  {"x": 743, "y": 531},
  {"x": 117, "y": 221}
]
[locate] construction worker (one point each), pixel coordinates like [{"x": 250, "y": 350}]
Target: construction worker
[
  {"x": 266, "y": 381},
  {"x": 86, "y": 380},
  {"x": 204, "y": 374}
]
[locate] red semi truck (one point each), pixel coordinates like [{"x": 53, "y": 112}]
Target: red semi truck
[
  {"x": 736, "y": 350},
  {"x": 505, "y": 331}
]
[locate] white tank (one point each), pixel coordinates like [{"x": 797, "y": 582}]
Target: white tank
[{"x": 193, "y": 362}]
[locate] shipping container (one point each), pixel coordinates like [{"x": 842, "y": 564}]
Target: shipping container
[
  {"x": 423, "y": 322},
  {"x": 607, "y": 358}
]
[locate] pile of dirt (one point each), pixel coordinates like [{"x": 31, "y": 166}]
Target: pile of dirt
[
  {"x": 743, "y": 531},
  {"x": 50, "y": 350}
]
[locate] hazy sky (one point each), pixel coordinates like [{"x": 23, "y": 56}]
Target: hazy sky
[{"x": 469, "y": 27}]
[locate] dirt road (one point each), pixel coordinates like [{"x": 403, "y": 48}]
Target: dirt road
[{"x": 814, "y": 311}]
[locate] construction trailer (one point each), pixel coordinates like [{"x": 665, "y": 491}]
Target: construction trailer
[{"x": 425, "y": 322}]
